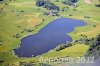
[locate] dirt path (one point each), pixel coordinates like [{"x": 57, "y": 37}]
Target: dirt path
[{"x": 88, "y": 1}]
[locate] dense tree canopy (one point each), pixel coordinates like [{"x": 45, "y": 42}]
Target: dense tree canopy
[{"x": 47, "y": 4}]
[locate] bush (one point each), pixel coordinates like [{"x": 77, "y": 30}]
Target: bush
[
  {"x": 63, "y": 46},
  {"x": 86, "y": 17},
  {"x": 64, "y": 9},
  {"x": 40, "y": 3},
  {"x": 94, "y": 25},
  {"x": 71, "y": 15},
  {"x": 69, "y": 2},
  {"x": 46, "y": 13},
  {"x": 57, "y": 0},
  {"x": 97, "y": 5}
]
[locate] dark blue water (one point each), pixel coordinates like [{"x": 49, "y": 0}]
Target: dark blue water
[{"x": 49, "y": 37}]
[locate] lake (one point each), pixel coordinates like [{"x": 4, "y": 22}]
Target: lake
[{"x": 49, "y": 37}]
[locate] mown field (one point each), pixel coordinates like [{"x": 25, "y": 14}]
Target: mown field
[{"x": 17, "y": 17}]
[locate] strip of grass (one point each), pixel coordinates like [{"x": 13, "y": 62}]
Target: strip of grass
[{"x": 73, "y": 51}]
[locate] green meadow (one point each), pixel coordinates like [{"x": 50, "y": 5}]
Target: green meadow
[{"x": 21, "y": 15}]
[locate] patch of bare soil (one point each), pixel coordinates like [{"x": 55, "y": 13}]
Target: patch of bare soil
[{"x": 88, "y": 1}]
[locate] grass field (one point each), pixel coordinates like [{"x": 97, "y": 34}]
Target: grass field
[{"x": 24, "y": 14}]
